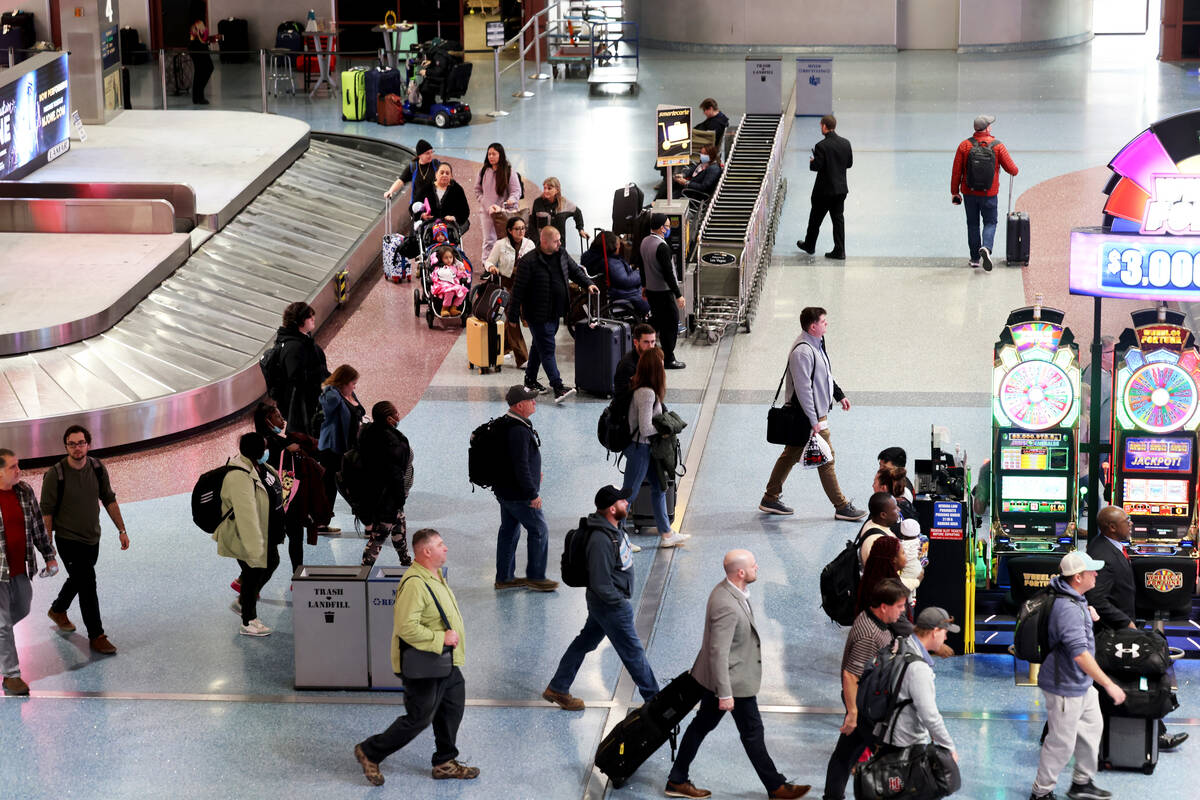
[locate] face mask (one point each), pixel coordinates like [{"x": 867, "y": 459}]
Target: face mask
[
  {"x": 277, "y": 430},
  {"x": 396, "y": 424},
  {"x": 667, "y": 233},
  {"x": 704, "y": 159},
  {"x": 263, "y": 458}
]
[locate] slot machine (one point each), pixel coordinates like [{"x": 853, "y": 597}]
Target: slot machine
[
  {"x": 1035, "y": 425},
  {"x": 1156, "y": 413}
]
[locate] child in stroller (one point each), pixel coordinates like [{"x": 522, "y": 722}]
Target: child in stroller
[{"x": 450, "y": 280}]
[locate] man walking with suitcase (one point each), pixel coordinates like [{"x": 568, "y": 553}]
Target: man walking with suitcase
[
  {"x": 1068, "y": 680},
  {"x": 830, "y": 159},
  {"x": 975, "y": 184},
  {"x": 729, "y": 667},
  {"x": 610, "y": 614}
]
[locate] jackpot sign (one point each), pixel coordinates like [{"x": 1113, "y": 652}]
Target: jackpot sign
[{"x": 1149, "y": 245}]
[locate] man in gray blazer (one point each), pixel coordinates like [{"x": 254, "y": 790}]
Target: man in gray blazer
[{"x": 729, "y": 667}]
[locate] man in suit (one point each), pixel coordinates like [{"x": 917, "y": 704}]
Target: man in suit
[
  {"x": 1113, "y": 595},
  {"x": 729, "y": 667},
  {"x": 831, "y": 158}
]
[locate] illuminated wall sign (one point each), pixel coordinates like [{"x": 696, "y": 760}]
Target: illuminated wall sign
[{"x": 34, "y": 123}]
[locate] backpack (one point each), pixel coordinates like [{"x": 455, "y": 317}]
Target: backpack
[
  {"x": 206, "y": 498},
  {"x": 351, "y": 480},
  {"x": 574, "y": 557},
  {"x": 62, "y": 480},
  {"x": 839, "y": 583},
  {"x": 980, "y": 170},
  {"x": 487, "y": 453},
  {"x": 878, "y": 699},
  {"x": 612, "y": 429},
  {"x": 274, "y": 372},
  {"x": 1031, "y": 637}
]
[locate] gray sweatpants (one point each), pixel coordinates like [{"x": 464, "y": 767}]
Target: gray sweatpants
[
  {"x": 1074, "y": 726},
  {"x": 14, "y": 607}
]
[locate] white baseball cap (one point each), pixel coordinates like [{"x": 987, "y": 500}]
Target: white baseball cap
[{"x": 1076, "y": 562}]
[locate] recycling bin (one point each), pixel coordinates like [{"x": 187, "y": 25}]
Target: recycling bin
[
  {"x": 381, "y": 600},
  {"x": 329, "y": 608}
]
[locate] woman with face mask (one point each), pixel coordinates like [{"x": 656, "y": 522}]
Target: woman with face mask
[
  {"x": 387, "y": 470},
  {"x": 701, "y": 180}
]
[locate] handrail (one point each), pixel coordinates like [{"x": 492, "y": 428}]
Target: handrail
[{"x": 535, "y": 43}]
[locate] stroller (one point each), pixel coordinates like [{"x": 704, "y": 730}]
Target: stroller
[{"x": 423, "y": 293}]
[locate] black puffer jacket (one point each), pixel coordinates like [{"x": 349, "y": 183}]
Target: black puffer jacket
[
  {"x": 387, "y": 464},
  {"x": 304, "y": 365},
  {"x": 534, "y": 285}
]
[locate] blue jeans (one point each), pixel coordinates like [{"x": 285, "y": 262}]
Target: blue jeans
[
  {"x": 615, "y": 622},
  {"x": 637, "y": 468},
  {"x": 977, "y": 207},
  {"x": 541, "y": 353},
  {"x": 514, "y": 514}
]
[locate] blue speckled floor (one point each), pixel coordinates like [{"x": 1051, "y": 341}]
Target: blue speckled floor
[{"x": 190, "y": 709}]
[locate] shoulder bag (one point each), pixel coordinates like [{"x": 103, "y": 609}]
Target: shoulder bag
[
  {"x": 788, "y": 424},
  {"x": 418, "y": 664}
]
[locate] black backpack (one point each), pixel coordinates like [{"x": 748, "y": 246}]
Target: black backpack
[
  {"x": 206, "y": 498},
  {"x": 100, "y": 470},
  {"x": 487, "y": 453},
  {"x": 274, "y": 372},
  {"x": 1031, "y": 637},
  {"x": 574, "y": 557},
  {"x": 980, "y": 172},
  {"x": 612, "y": 429},
  {"x": 839, "y": 583},
  {"x": 878, "y": 699},
  {"x": 351, "y": 481}
]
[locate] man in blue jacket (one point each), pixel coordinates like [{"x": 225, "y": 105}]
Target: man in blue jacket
[{"x": 1067, "y": 679}]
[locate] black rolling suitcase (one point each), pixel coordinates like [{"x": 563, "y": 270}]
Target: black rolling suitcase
[
  {"x": 641, "y": 510},
  {"x": 627, "y": 204},
  {"x": 639, "y": 735},
  {"x": 599, "y": 345},
  {"x": 1016, "y": 244},
  {"x": 133, "y": 52},
  {"x": 1129, "y": 744},
  {"x": 235, "y": 40}
]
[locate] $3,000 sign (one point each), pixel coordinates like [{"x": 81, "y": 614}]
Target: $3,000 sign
[{"x": 1141, "y": 267}]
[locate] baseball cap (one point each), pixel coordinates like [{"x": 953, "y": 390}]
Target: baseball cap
[
  {"x": 934, "y": 617},
  {"x": 983, "y": 120},
  {"x": 609, "y": 495},
  {"x": 1076, "y": 562},
  {"x": 519, "y": 393}
]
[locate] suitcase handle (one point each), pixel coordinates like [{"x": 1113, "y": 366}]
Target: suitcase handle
[
  {"x": 592, "y": 297},
  {"x": 387, "y": 215},
  {"x": 1010, "y": 188}
]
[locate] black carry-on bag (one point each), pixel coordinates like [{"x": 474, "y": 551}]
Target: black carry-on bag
[
  {"x": 627, "y": 204},
  {"x": 641, "y": 510},
  {"x": 599, "y": 345},
  {"x": 1129, "y": 743},
  {"x": 646, "y": 729},
  {"x": 1016, "y": 245}
]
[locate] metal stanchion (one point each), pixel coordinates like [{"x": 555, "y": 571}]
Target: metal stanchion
[
  {"x": 162, "y": 75},
  {"x": 12, "y": 55},
  {"x": 521, "y": 69},
  {"x": 496, "y": 110},
  {"x": 262, "y": 74},
  {"x": 537, "y": 75}
]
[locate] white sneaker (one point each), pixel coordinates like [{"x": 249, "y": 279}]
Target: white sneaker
[
  {"x": 236, "y": 607},
  {"x": 635, "y": 548},
  {"x": 255, "y": 628},
  {"x": 674, "y": 539}
]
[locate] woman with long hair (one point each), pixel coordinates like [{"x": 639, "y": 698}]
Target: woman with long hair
[
  {"x": 551, "y": 208},
  {"x": 343, "y": 414},
  {"x": 198, "y": 41},
  {"x": 886, "y": 560},
  {"x": 502, "y": 262},
  {"x": 497, "y": 190},
  {"x": 649, "y": 390}
]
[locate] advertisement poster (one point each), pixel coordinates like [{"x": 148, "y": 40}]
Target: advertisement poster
[
  {"x": 674, "y": 136},
  {"x": 34, "y": 120}
]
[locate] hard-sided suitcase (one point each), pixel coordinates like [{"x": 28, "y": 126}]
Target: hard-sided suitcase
[
  {"x": 639, "y": 735},
  {"x": 390, "y": 110},
  {"x": 235, "y": 40},
  {"x": 391, "y": 81},
  {"x": 395, "y": 265},
  {"x": 1129, "y": 744},
  {"x": 1016, "y": 226},
  {"x": 180, "y": 72},
  {"x": 485, "y": 344},
  {"x": 380, "y": 82},
  {"x": 354, "y": 94},
  {"x": 641, "y": 510},
  {"x": 599, "y": 345},
  {"x": 627, "y": 204}
]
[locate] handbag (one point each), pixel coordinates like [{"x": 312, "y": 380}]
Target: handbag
[
  {"x": 816, "y": 453},
  {"x": 288, "y": 479},
  {"x": 896, "y": 773},
  {"x": 787, "y": 424},
  {"x": 419, "y": 664}
]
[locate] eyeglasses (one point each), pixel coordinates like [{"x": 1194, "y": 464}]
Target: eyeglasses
[
  {"x": 518, "y": 227},
  {"x": 76, "y": 444}
]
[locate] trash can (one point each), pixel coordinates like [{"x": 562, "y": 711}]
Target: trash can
[
  {"x": 381, "y": 600},
  {"x": 329, "y": 609}
]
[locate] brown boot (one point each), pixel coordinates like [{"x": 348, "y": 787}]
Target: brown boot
[
  {"x": 453, "y": 769},
  {"x": 60, "y": 619},
  {"x": 103, "y": 646},
  {"x": 370, "y": 768},
  {"x": 790, "y": 790},
  {"x": 16, "y": 686},
  {"x": 564, "y": 700}
]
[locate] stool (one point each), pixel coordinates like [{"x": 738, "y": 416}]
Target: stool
[{"x": 281, "y": 72}]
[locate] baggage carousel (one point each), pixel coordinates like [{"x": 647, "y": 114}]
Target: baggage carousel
[{"x": 145, "y": 303}]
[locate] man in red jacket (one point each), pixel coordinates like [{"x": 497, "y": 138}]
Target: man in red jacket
[{"x": 974, "y": 159}]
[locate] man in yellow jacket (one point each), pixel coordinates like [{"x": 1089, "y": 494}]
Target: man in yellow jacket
[{"x": 426, "y": 618}]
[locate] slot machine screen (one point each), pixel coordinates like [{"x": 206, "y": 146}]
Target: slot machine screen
[
  {"x": 1033, "y": 494},
  {"x": 1160, "y": 455},
  {"x": 1041, "y": 452},
  {"x": 1155, "y": 497}
]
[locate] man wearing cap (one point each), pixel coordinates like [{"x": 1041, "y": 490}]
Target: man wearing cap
[
  {"x": 830, "y": 159},
  {"x": 518, "y": 492},
  {"x": 729, "y": 667},
  {"x": 1067, "y": 679},
  {"x": 919, "y": 720},
  {"x": 977, "y": 196},
  {"x": 663, "y": 292},
  {"x": 610, "y": 614},
  {"x": 1114, "y": 592}
]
